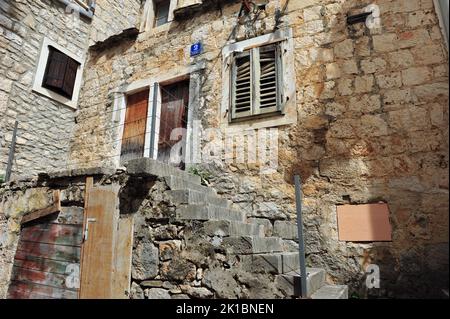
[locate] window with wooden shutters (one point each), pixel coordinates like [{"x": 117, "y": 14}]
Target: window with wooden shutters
[
  {"x": 60, "y": 73},
  {"x": 256, "y": 78}
]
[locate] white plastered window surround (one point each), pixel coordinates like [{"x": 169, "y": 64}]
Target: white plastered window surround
[
  {"x": 284, "y": 39},
  {"x": 40, "y": 73},
  {"x": 148, "y": 17},
  {"x": 169, "y": 77}
]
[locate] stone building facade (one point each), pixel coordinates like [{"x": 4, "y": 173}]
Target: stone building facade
[
  {"x": 364, "y": 120},
  {"x": 45, "y": 124}
]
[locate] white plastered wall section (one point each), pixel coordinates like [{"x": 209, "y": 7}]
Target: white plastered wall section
[
  {"x": 40, "y": 72},
  {"x": 285, "y": 39},
  {"x": 120, "y": 105}
]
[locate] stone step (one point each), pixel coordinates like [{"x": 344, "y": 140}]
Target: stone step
[
  {"x": 151, "y": 167},
  {"x": 209, "y": 212},
  {"x": 244, "y": 245},
  {"x": 178, "y": 183},
  {"x": 226, "y": 228},
  {"x": 188, "y": 196},
  {"x": 277, "y": 263},
  {"x": 289, "y": 283},
  {"x": 331, "y": 292}
]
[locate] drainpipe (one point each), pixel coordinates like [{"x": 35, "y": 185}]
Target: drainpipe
[{"x": 79, "y": 6}]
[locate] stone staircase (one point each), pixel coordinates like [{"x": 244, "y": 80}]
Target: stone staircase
[{"x": 230, "y": 230}]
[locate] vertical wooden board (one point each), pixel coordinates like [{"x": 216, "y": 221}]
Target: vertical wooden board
[
  {"x": 97, "y": 263},
  {"x": 133, "y": 140},
  {"x": 123, "y": 254}
]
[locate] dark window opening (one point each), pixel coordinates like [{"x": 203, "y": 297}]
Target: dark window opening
[
  {"x": 161, "y": 9},
  {"x": 60, "y": 73}
]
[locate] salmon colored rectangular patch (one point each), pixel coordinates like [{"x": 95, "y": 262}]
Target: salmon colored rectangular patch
[{"x": 369, "y": 222}]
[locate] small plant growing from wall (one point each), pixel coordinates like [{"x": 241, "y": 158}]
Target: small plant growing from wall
[
  {"x": 2, "y": 178},
  {"x": 205, "y": 176}
]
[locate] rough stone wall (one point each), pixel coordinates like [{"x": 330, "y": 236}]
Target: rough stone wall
[
  {"x": 172, "y": 259},
  {"x": 44, "y": 125},
  {"x": 372, "y": 126}
]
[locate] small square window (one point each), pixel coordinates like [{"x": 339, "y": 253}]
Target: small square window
[
  {"x": 60, "y": 73},
  {"x": 255, "y": 82},
  {"x": 161, "y": 9}
]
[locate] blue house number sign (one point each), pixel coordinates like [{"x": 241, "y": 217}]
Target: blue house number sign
[{"x": 196, "y": 49}]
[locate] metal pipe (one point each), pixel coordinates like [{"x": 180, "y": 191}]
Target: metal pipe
[
  {"x": 301, "y": 243},
  {"x": 12, "y": 150}
]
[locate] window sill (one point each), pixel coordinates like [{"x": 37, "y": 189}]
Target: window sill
[
  {"x": 145, "y": 34},
  {"x": 256, "y": 117},
  {"x": 55, "y": 97}
]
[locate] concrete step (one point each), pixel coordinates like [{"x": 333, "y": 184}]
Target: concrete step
[
  {"x": 151, "y": 167},
  {"x": 188, "y": 196},
  {"x": 180, "y": 183},
  {"x": 277, "y": 263},
  {"x": 244, "y": 245},
  {"x": 226, "y": 228},
  {"x": 331, "y": 292},
  {"x": 289, "y": 282},
  {"x": 209, "y": 212}
]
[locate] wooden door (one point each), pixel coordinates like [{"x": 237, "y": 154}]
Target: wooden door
[
  {"x": 174, "y": 104},
  {"x": 47, "y": 260},
  {"x": 133, "y": 140},
  {"x": 101, "y": 217},
  {"x": 107, "y": 247}
]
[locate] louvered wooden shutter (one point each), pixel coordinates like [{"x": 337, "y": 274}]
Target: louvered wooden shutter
[
  {"x": 56, "y": 68},
  {"x": 256, "y": 82},
  {"x": 242, "y": 86},
  {"x": 268, "y": 80}
]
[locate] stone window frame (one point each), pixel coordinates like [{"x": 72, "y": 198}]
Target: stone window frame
[
  {"x": 191, "y": 72},
  {"x": 148, "y": 17},
  {"x": 40, "y": 73},
  {"x": 283, "y": 37}
]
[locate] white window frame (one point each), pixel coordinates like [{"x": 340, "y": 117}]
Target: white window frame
[
  {"x": 288, "y": 107},
  {"x": 120, "y": 105},
  {"x": 148, "y": 17},
  {"x": 40, "y": 73}
]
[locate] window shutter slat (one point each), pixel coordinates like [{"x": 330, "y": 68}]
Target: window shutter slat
[{"x": 268, "y": 93}]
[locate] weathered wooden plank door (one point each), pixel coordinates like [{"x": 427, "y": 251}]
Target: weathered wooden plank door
[
  {"x": 133, "y": 140},
  {"x": 47, "y": 260},
  {"x": 101, "y": 222},
  {"x": 174, "y": 104}
]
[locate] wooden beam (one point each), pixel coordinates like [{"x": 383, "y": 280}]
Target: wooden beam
[{"x": 54, "y": 208}]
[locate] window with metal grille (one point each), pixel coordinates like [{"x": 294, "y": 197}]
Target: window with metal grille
[
  {"x": 60, "y": 73},
  {"x": 256, "y": 79},
  {"x": 161, "y": 9}
]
